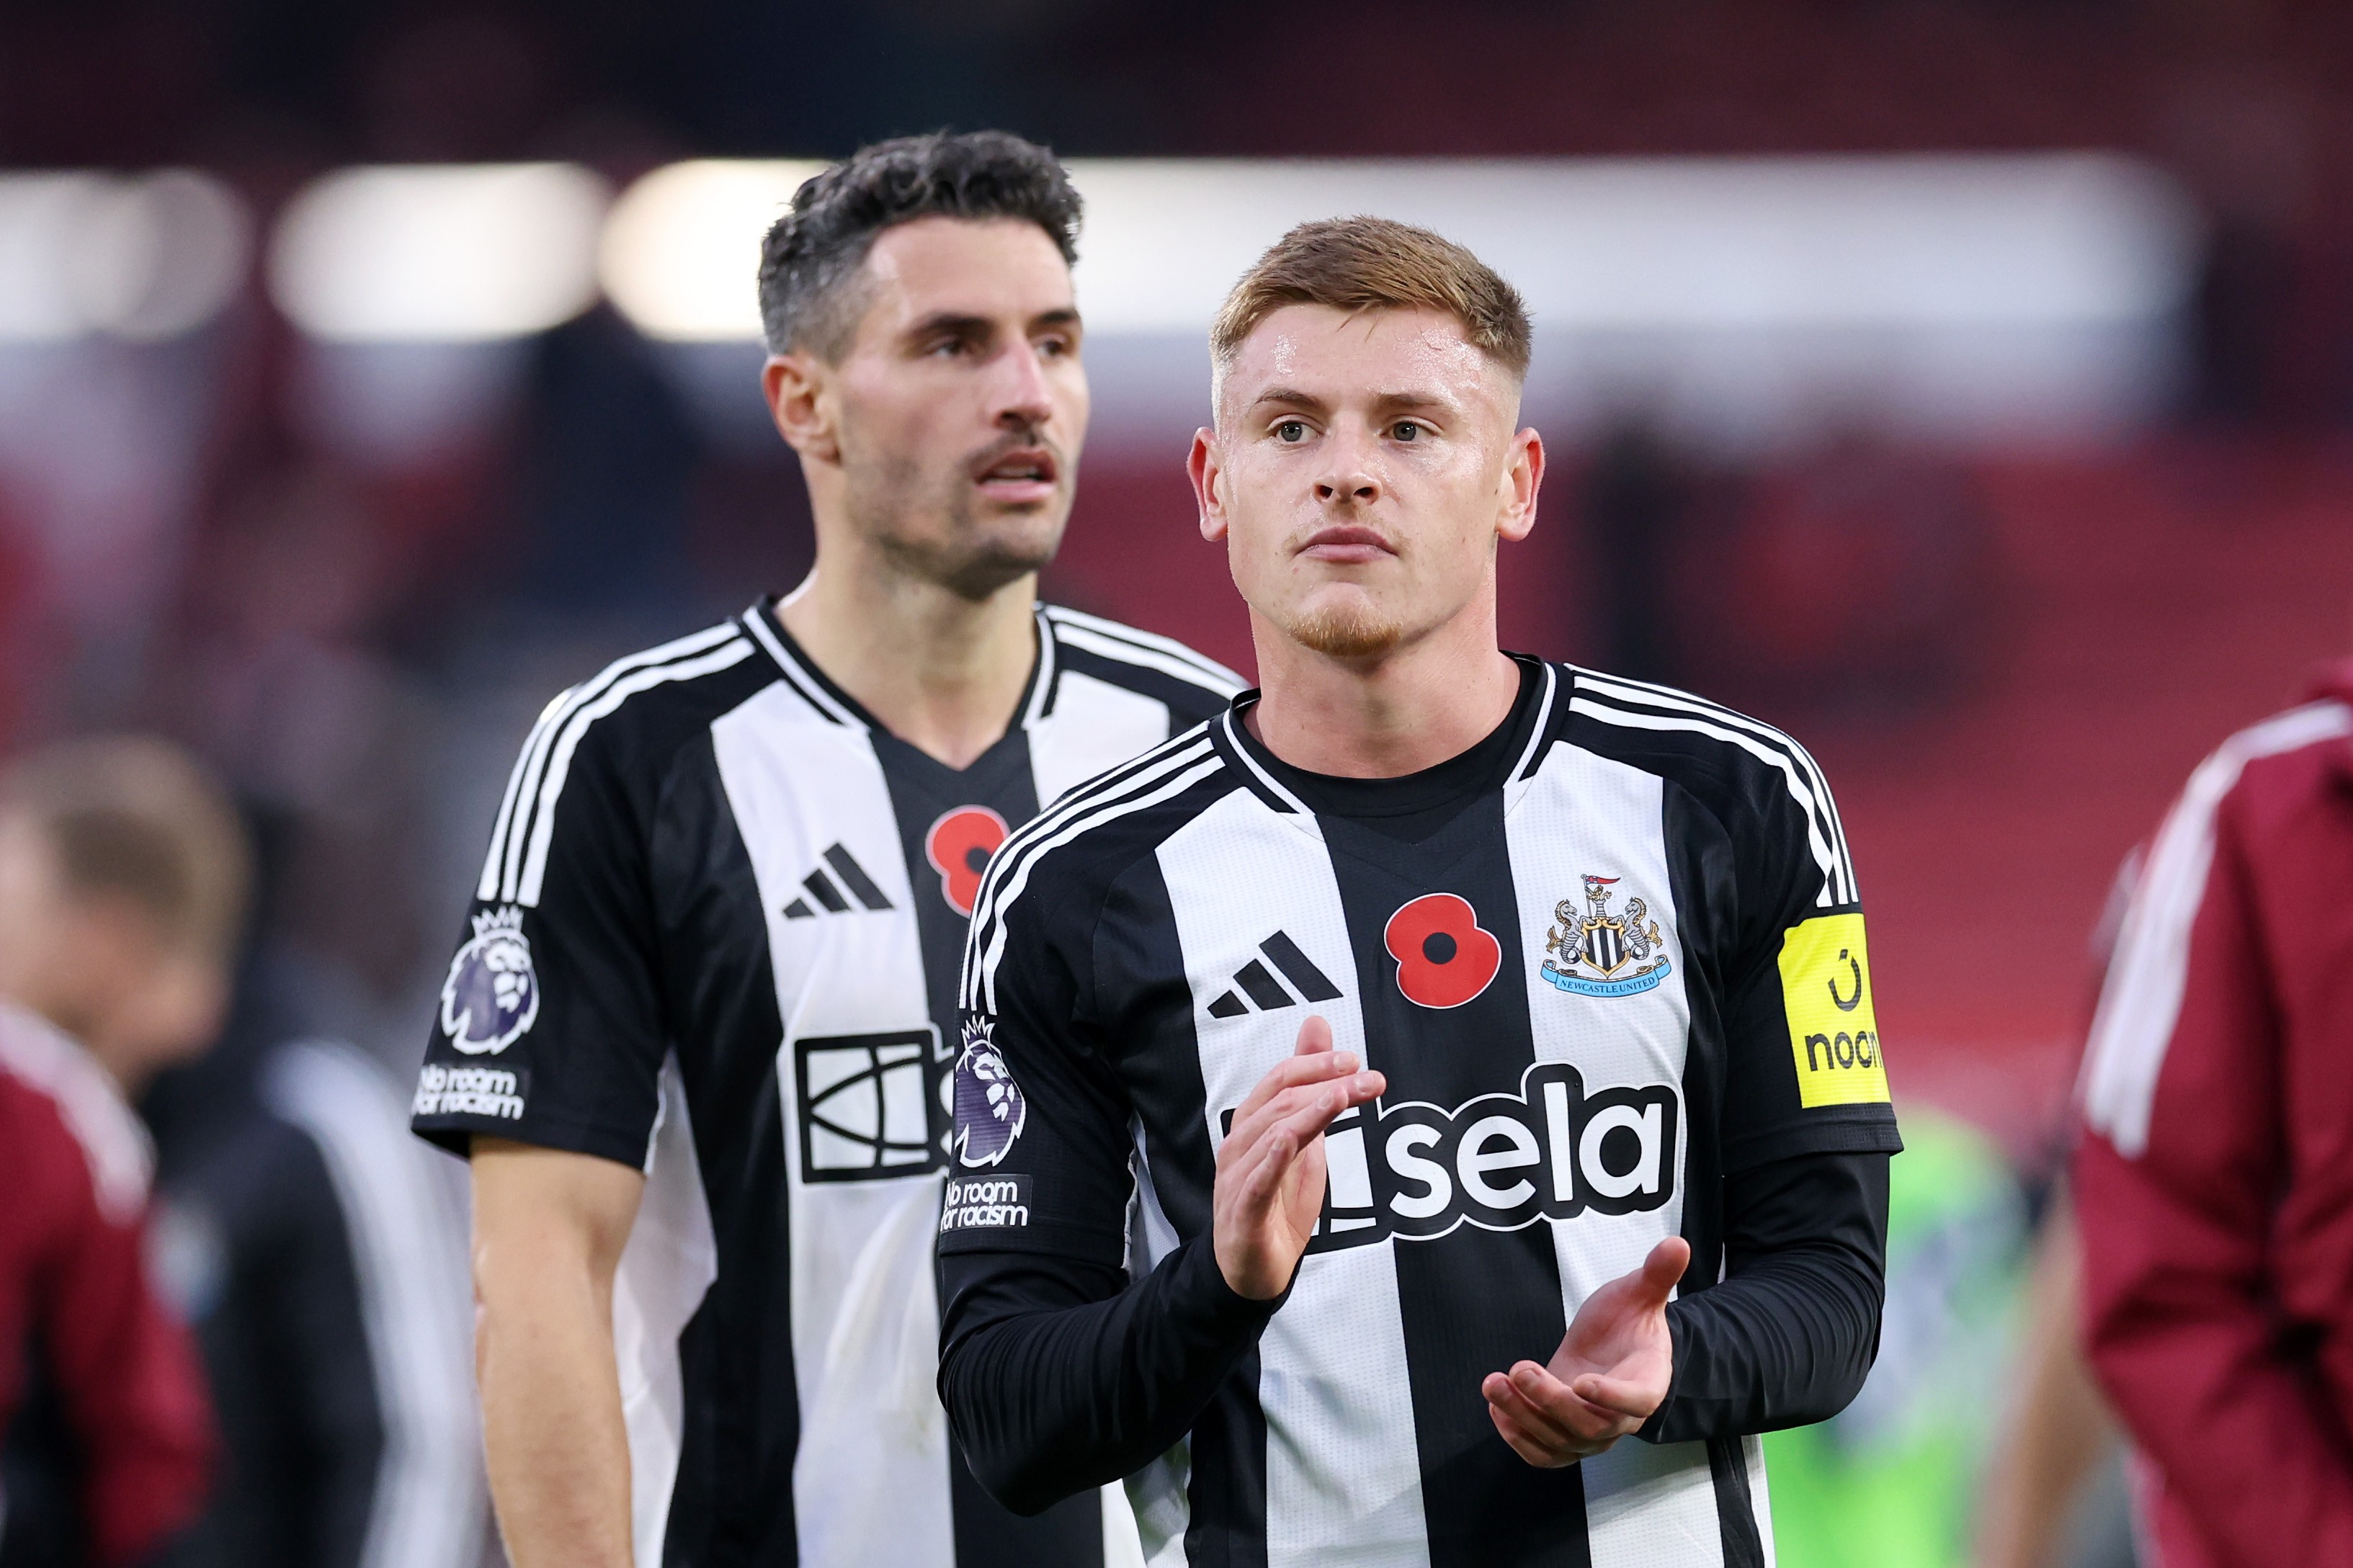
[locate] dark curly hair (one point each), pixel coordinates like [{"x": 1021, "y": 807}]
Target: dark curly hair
[{"x": 812, "y": 253}]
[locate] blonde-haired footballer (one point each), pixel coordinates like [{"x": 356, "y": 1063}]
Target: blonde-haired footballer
[{"x": 1489, "y": 1040}]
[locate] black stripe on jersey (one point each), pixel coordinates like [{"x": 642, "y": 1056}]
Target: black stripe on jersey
[
  {"x": 1485, "y": 1506},
  {"x": 733, "y": 1499},
  {"x": 1026, "y": 839},
  {"x": 1541, "y": 734},
  {"x": 1228, "y": 1487},
  {"x": 519, "y": 809},
  {"x": 1226, "y": 1447},
  {"x": 1701, "y": 880},
  {"x": 1253, "y": 979},
  {"x": 1615, "y": 701},
  {"x": 822, "y": 890},
  {"x": 1298, "y": 968},
  {"x": 1820, "y": 806},
  {"x": 853, "y": 876},
  {"x": 1045, "y": 678},
  {"x": 1727, "y": 1464},
  {"x": 1140, "y": 783}
]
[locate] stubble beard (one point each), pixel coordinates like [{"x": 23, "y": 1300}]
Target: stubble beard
[
  {"x": 1352, "y": 631},
  {"x": 970, "y": 558}
]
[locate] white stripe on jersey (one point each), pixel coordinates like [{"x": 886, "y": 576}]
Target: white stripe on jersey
[
  {"x": 1544, "y": 717},
  {"x": 985, "y": 903},
  {"x": 1824, "y": 835},
  {"x": 1142, "y": 658},
  {"x": 733, "y": 651},
  {"x": 1343, "y": 1477},
  {"x": 1041, "y": 680},
  {"x": 495, "y": 859},
  {"x": 1201, "y": 671},
  {"x": 1093, "y": 718},
  {"x": 797, "y": 674},
  {"x": 409, "y": 1258},
  {"x": 667, "y": 1266},
  {"x": 1823, "y": 806},
  {"x": 113, "y": 1140},
  {"x": 1273, "y": 785},
  {"x": 507, "y": 834},
  {"x": 1009, "y": 873},
  {"x": 2141, "y": 1002}
]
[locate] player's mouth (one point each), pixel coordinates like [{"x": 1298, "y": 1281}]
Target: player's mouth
[
  {"x": 1021, "y": 476},
  {"x": 1348, "y": 543}
]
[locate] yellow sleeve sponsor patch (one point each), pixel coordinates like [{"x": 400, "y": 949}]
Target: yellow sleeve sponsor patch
[{"x": 1834, "y": 1032}]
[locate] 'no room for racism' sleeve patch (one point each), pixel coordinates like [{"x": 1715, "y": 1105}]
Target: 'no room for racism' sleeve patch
[{"x": 1833, "y": 1030}]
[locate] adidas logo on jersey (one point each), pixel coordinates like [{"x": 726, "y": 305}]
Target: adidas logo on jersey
[
  {"x": 828, "y": 890},
  {"x": 1501, "y": 1162},
  {"x": 1253, "y": 981}
]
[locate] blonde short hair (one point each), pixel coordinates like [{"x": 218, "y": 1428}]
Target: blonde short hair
[
  {"x": 1375, "y": 264},
  {"x": 140, "y": 818}
]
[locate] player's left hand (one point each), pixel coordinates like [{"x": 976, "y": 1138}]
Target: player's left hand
[{"x": 1610, "y": 1372}]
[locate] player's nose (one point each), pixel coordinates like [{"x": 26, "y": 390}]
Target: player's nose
[
  {"x": 1349, "y": 477},
  {"x": 1348, "y": 484},
  {"x": 1021, "y": 395}
]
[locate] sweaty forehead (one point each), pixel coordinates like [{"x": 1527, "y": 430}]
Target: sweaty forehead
[{"x": 1340, "y": 357}]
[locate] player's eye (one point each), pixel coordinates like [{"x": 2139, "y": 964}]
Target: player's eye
[
  {"x": 1053, "y": 348},
  {"x": 1406, "y": 430},
  {"x": 1291, "y": 431}
]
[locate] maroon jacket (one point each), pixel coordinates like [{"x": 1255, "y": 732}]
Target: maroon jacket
[
  {"x": 74, "y": 1168},
  {"x": 2215, "y": 1178}
]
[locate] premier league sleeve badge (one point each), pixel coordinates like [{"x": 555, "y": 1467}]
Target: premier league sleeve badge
[
  {"x": 492, "y": 996},
  {"x": 990, "y": 1110}
]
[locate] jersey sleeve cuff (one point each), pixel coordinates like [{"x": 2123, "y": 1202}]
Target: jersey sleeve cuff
[
  {"x": 457, "y": 1135},
  {"x": 1198, "y": 1289},
  {"x": 1862, "y": 1129}
]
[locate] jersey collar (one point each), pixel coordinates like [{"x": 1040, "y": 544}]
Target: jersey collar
[
  {"x": 1535, "y": 709},
  {"x": 817, "y": 688}
]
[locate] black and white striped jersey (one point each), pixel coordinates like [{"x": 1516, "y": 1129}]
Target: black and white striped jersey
[
  {"x": 716, "y": 937},
  {"x": 1612, "y": 964}
]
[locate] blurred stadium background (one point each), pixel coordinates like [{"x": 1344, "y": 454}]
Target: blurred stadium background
[{"x": 1965, "y": 385}]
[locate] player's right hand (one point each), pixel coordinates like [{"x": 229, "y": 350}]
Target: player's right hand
[{"x": 1270, "y": 1186}]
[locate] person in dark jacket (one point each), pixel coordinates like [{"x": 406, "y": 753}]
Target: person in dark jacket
[{"x": 321, "y": 1258}]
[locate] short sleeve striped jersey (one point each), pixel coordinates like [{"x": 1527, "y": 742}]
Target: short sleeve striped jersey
[{"x": 716, "y": 938}]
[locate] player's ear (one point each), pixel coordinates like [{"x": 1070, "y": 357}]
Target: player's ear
[
  {"x": 795, "y": 386},
  {"x": 1523, "y": 482},
  {"x": 1206, "y": 468}
]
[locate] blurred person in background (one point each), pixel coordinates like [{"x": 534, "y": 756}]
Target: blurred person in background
[
  {"x": 121, "y": 887},
  {"x": 697, "y": 1038},
  {"x": 319, "y": 1252},
  {"x": 2054, "y": 1493},
  {"x": 2213, "y": 1193}
]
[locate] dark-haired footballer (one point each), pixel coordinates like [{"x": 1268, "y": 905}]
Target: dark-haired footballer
[
  {"x": 698, "y": 1035},
  {"x": 1490, "y": 1040}
]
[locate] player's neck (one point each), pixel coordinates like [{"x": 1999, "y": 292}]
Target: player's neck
[
  {"x": 1410, "y": 709},
  {"x": 941, "y": 671}
]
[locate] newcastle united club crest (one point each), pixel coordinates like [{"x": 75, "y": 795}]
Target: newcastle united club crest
[{"x": 1601, "y": 951}]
